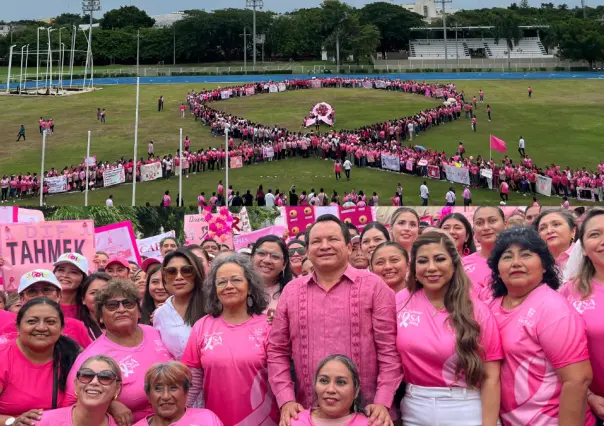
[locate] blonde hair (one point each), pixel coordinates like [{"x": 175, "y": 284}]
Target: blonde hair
[{"x": 173, "y": 372}]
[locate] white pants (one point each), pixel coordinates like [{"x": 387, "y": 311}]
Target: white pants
[{"x": 423, "y": 406}]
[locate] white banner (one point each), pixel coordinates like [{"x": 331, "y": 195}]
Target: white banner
[
  {"x": 150, "y": 172},
  {"x": 282, "y": 87},
  {"x": 544, "y": 185},
  {"x": 225, "y": 94},
  {"x": 57, "y": 184},
  {"x": 587, "y": 194},
  {"x": 457, "y": 174},
  {"x": 273, "y": 88},
  {"x": 381, "y": 84},
  {"x": 90, "y": 161},
  {"x": 149, "y": 247},
  {"x": 391, "y": 162},
  {"x": 113, "y": 177},
  {"x": 268, "y": 152},
  {"x": 486, "y": 173}
]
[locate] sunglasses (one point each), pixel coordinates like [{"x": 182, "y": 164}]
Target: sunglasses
[
  {"x": 113, "y": 305},
  {"x": 186, "y": 271},
  {"x": 106, "y": 377},
  {"x": 293, "y": 251}
]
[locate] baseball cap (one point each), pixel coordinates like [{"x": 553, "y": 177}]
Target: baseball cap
[
  {"x": 355, "y": 239},
  {"x": 75, "y": 259},
  {"x": 148, "y": 262},
  {"x": 245, "y": 250},
  {"x": 119, "y": 260},
  {"x": 38, "y": 276}
]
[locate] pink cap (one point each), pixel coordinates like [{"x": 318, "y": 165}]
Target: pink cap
[
  {"x": 119, "y": 260},
  {"x": 148, "y": 262}
]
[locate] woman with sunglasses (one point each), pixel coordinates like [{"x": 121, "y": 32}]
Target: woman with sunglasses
[
  {"x": 270, "y": 259},
  {"x": 183, "y": 277},
  {"x": 227, "y": 348},
  {"x": 135, "y": 347},
  {"x": 98, "y": 383},
  {"x": 586, "y": 294},
  {"x": 545, "y": 373},
  {"x": 90, "y": 287},
  {"x": 296, "y": 250},
  {"x": 167, "y": 387},
  {"x": 155, "y": 294},
  {"x": 34, "y": 367},
  {"x": 460, "y": 229}
]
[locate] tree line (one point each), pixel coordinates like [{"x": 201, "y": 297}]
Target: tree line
[{"x": 217, "y": 36}]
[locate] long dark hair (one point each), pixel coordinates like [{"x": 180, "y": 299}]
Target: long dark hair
[
  {"x": 196, "y": 308},
  {"x": 459, "y": 307},
  {"x": 468, "y": 246},
  {"x": 148, "y": 306},
  {"x": 379, "y": 227},
  {"x": 528, "y": 239},
  {"x": 79, "y": 296},
  {"x": 65, "y": 352},
  {"x": 94, "y": 330},
  {"x": 286, "y": 275},
  {"x": 357, "y": 403}
]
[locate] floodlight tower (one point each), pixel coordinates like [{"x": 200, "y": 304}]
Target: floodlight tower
[
  {"x": 444, "y": 13},
  {"x": 584, "y": 9},
  {"x": 254, "y": 4},
  {"x": 90, "y": 6}
]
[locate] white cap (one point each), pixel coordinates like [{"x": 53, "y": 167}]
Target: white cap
[
  {"x": 75, "y": 259},
  {"x": 38, "y": 276},
  {"x": 245, "y": 250}
]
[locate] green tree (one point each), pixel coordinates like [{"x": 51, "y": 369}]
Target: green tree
[
  {"x": 126, "y": 17},
  {"x": 365, "y": 42},
  {"x": 68, "y": 19},
  {"x": 580, "y": 40},
  {"x": 507, "y": 28}
]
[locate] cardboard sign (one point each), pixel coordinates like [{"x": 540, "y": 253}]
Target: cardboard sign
[
  {"x": 197, "y": 230},
  {"x": 236, "y": 162},
  {"x": 118, "y": 240},
  {"x": 150, "y": 172},
  {"x": 57, "y": 184},
  {"x": 244, "y": 239},
  {"x": 434, "y": 172},
  {"x": 113, "y": 177},
  {"x": 149, "y": 247},
  {"x": 28, "y": 246}
]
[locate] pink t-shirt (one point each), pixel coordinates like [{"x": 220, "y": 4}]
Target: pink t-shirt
[
  {"x": 134, "y": 363},
  {"x": 63, "y": 417},
  {"x": 25, "y": 386},
  {"x": 234, "y": 363},
  {"x": 73, "y": 328},
  {"x": 70, "y": 311},
  {"x": 304, "y": 419},
  {"x": 477, "y": 269},
  {"x": 591, "y": 309},
  {"x": 426, "y": 341},
  {"x": 541, "y": 335},
  {"x": 192, "y": 417}
]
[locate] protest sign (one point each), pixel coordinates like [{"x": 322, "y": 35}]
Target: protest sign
[
  {"x": 28, "y": 246},
  {"x": 434, "y": 172},
  {"x": 216, "y": 226},
  {"x": 114, "y": 177},
  {"x": 150, "y": 172},
  {"x": 249, "y": 91},
  {"x": 358, "y": 216},
  {"x": 117, "y": 240},
  {"x": 457, "y": 174},
  {"x": 236, "y": 162},
  {"x": 409, "y": 165},
  {"x": 282, "y": 87},
  {"x": 543, "y": 185},
  {"x": 57, "y": 184},
  {"x": 299, "y": 218},
  {"x": 244, "y": 239},
  {"x": 90, "y": 161},
  {"x": 9, "y": 214},
  {"x": 391, "y": 162},
  {"x": 149, "y": 247},
  {"x": 241, "y": 222}
]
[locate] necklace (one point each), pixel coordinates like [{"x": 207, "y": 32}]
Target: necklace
[{"x": 437, "y": 309}]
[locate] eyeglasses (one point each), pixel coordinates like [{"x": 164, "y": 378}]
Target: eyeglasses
[
  {"x": 48, "y": 290},
  {"x": 86, "y": 375},
  {"x": 300, "y": 250},
  {"x": 236, "y": 281},
  {"x": 113, "y": 305},
  {"x": 186, "y": 271},
  {"x": 262, "y": 254}
]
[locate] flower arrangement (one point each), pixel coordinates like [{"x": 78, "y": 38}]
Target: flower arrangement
[{"x": 220, "y": 224}]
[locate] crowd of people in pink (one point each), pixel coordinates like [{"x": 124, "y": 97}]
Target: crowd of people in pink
[
  {"x": 491, "y": 320},
  {"x": 256, "y": 143}
]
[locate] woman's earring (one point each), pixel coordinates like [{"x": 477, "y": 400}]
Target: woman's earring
[{"x": 250, "y": 301}]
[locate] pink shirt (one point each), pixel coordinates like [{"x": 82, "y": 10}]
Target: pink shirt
[
  {"x": 192, "y": 417},
  {"x": 63, "y": 417},
  {"x": 134, "y": 363},
  {"x": 25, "y": 386},
  {"x": 591, "y": 309},
  {"x": 304, "y": 419},
  {"x": 477, "y": 269},
  {"x": 356, "y": 317},
  {"x": 70, "y": 311},
  {"x": 563, "y": 257},
  {"x": 426, "y": 341},
  {"x": 541, "y": 335},
  {"x": 233, "y": 359},
  {"x": 73, "y": 328}
]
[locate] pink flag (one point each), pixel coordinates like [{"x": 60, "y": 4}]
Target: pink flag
[{"x": 498, "y": 144}]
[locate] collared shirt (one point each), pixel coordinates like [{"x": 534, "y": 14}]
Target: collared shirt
[
  {"x": 172, "y": 328},
  {"x": 356, "y": 317}
]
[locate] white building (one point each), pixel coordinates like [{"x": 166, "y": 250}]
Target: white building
[
  {"x": 4, "y": 29},
  {"x": 168, "y": 19},
  {"x": 428, "y": 9}
]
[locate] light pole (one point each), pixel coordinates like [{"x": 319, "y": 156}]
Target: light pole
[
  {"x": 10, "y": 63},
  {"x": 338, "y": 43},
  {"x": 174, "y": 34},
  {"x": 38, "y": 58},
  {"x": 49, "y": 61},
  {"x": 25, "y": 76},
  {"x": 138, "y": 50},
  {"x": 61, "y": 69},
  {"x": 61, "y": 57},
  {"x": 21, "y": 74},
  {"x": 244, "y": 49},
  {"x": 74, "y": 33},
  {"x": 90, "y": 6},
  {"x": 254, "y": 4}
]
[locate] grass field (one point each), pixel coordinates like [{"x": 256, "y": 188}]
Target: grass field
[{"x": 560, "y": 125}]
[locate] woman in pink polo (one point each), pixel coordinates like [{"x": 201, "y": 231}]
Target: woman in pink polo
[
  {"x": 167, "y": 386},
  {"x": 227, "y": 347},
  {"x": 546, "y": 373},
  {"x": 98, "y": 383},
  {"x": 586, "y": 295},
  {"x": 338, "y": 393},
  {"x": 448, "y": 341}
]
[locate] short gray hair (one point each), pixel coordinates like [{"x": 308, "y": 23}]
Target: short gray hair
[{"x": 255, "y": 286}]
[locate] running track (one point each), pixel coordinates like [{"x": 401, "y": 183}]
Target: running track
[{"x": 406, "y": 76}]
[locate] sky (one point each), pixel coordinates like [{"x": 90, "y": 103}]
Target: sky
[{"x": 41, "y": 9}]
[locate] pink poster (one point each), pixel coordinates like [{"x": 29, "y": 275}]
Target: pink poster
[
  {"x": 9, "y": 214},
  {"x": 434, "y": 172},
  {"x": 118, "y": 240},
  {"x": 236, "y": 162},
  {"x": 243, "y": 240},
  {"x": 358, "y": 216},
  {"x": 28, "y": 246},
  {"x": 409, "y": 166},
  {"x": 299, "y": 218},
  {"x": 209, "y": 226}
]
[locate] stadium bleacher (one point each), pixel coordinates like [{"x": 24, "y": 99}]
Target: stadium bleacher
[{"x": 530, "y": 47}]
